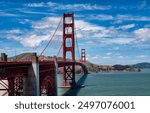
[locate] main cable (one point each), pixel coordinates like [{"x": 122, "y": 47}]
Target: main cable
[
  {"x": 77, "y": 44},
  {"x": 51, "y": 37},
  {"x": 59, "y": 50}
]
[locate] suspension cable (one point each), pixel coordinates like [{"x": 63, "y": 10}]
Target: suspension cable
[
  {"x": 76, "y": 39},
  {"x": 51, "y": 37},
  {"x": 59, "y": 50}
]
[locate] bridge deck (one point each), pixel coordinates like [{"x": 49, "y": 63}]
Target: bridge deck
[{"x": 15, "y": 72}]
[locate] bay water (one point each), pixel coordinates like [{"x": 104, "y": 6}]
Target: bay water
[{"x": 110, "y": 84}]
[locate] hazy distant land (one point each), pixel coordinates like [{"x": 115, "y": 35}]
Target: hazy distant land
[{"x": 91, "y": 66}]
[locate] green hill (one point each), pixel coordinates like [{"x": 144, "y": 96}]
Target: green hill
[
  {"x": 92, "y": 67},
  {"x": 142, "y": 65}
]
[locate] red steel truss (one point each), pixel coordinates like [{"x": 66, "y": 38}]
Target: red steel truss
[
  {"x": 48, "y": 86},
  {"x": 12, "y": 74},
  {"x": 11, "y": 77}
]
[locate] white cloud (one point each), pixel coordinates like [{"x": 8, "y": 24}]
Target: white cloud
[
  {"x": 44, "y": 28},
  {"x": 119, "y": 18},
  {"x": 89, "y": 30},
  {"x": 109, "y": 53},
  {"x": 106, "y": 57},
  {"x": 30, "y": 41},
  {"x": 143, "y": 34},
  {"x": 125, "y": 27},
  {"x": 79, "y": 7},
  {"x": 90, "y": 42},
  {"x": 141, "y": 56},
  {"x": 34, "y": 12},
  {"x": 116, "y": 48},
  {"x": 101, "y": 17},
  {"x": 45, "y": 23},
  {"x": 120, "y": 57},
  {"x": 42, "y": 31},
  {"x": 5, "y": 14},
  {"x": 12, "y": 31},
  {"x": 131, "y": 18},
  {"x": 24, "y": 21},
  {"x": 95, "y": 57},
  {"x": 73, "y": 7},
  {"x": 36, "y": 4},
  {"x": 17, "y": 31},
  {"x": 117, "y": 21},
  {"x": 86, "y": 26},
  {"x": 117, "y": 40}
]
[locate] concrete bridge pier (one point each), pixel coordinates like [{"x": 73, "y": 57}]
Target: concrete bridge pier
[{"x": 31, "y": 82}]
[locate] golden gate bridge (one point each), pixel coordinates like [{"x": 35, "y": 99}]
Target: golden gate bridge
[{"x": 38, "y": 77}]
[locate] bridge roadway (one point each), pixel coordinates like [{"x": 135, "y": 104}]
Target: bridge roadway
[{"x": 31, "y": 77}]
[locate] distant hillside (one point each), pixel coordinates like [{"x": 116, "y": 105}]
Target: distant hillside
[
  {"x": 21, "y": 57},
  {"x": 120, "y": 67},
  {"x": 141, "y": 65},
  {"x": 28, "y": 57},
  {"x": 92, "y": 67}
]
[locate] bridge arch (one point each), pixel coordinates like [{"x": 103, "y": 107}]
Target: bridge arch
[{"x": 47, "y": 87}]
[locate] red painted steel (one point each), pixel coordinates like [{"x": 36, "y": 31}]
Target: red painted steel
[
  {"x": 83, "y": 56},
  {"x": 48, "y": 87},
  {"x": 68, "y": 71},
  {"x": 11, "y": 64},
  {"x": 47, "y": 72},
  {"x": 18, "y": 86},
  {"x": 14, "y": 72}
]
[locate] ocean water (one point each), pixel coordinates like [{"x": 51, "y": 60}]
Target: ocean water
[{"x": 110, "y": 84}]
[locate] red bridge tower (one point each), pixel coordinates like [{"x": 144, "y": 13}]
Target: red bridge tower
[
  {"x": 68, "y": 36},
  {"x": 83, "y": 56}
]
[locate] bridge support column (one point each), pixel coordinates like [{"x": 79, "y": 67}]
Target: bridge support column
[
  {"x": 31, "y": 81},
  {"x": 83, "y": 56},
  {"x": 68, "y": 36},
  {"x": 11, "y": 87}
]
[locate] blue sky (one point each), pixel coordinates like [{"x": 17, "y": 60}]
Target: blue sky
[{"x": 111, "y": 31}]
